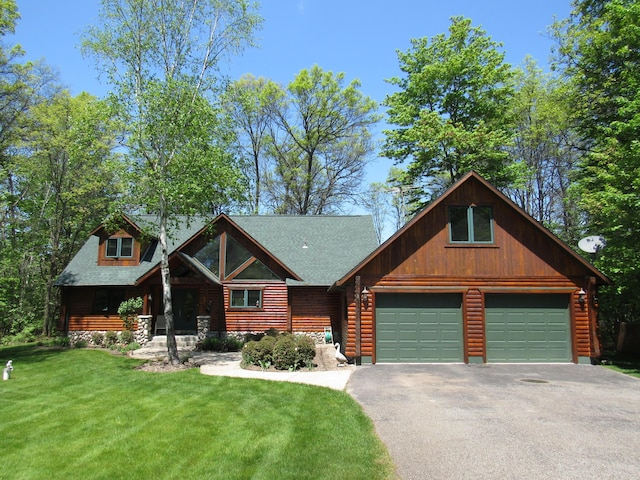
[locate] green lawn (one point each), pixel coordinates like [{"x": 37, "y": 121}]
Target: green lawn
[{"x": 89, "y": 414}]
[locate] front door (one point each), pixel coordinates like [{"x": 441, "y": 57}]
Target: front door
[{"x": 185, "y": 310}]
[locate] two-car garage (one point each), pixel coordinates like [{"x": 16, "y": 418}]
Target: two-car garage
[{"x": 429, "y": 327}]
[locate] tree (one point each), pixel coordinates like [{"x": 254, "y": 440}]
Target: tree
[
  {"x": 320, "y": 143},
  {"x": 545, "y": 145},
  {"x": 161, "y": 57},
  {"x": 599, "y": 50},
  {"x": 248, "y": 102},
  {"x": 451, "y": 110},
  {"x": 66, "y": 177},
  {"x": 22, "y": 86}
]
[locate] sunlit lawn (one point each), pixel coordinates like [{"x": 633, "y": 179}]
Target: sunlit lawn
[{"x": 89, "y": 414}]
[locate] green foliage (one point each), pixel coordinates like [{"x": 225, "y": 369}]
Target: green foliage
[
  {"x": 128, "y": 310},
  {"x": 310, "y": 143},
  {"x": 178, "y": 145},
  {"x": 284, "y": 351},
  {"x": 110, "y": 338},
  {"x": 80, "y": 344},
  {"x": 126, "y": 337},
  {"x": 214, "y": 344},
  {"x": 97, "y": 338},
  {"x": 450, "y": 110},
  {"x": 599, "y": 51}
]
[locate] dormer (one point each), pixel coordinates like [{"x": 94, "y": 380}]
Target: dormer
[{"x": 120, "y": 248}]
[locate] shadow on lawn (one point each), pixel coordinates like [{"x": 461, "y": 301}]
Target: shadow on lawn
[
  {"x": 629, "y": 364},
  {"x": 29, "y": 353}
]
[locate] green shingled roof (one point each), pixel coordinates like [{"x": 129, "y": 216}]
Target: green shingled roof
[
  {"x": 334, "y": 244},
  {"x": 318, "y": 249}
]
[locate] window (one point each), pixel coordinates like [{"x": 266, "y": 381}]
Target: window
[
  {"x": 107, "y": 300},
  {"x": 246, "y": 298},
  {"x": 119, "y": 247},
  {"x": 470, "y": 225}
]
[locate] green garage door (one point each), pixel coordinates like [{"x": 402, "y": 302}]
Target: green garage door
[
  {"x": 528, "y": 328},
  {"x": 419, "y": 328}
]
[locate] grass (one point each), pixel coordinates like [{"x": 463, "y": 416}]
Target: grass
[{"x": 80, "y": 413}]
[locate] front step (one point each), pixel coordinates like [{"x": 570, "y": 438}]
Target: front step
[{"x": 182, "y": 341}]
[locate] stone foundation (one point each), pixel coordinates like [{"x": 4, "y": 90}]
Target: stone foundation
[{"x": 318, "y": 337}]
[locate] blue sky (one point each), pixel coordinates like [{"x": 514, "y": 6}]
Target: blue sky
[{"x": 357, "y": 37}]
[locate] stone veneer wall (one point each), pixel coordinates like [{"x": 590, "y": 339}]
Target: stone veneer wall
[{"x": 318, "y": 337}]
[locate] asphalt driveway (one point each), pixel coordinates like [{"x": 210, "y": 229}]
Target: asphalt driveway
[{"x": 504, "y": 421}]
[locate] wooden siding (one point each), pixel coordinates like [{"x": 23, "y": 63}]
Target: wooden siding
[
  {"x": 522, "y": 259},
  {"x": 312, "y": 309},
  {"x": 273, "y": 314},
  {"x": 103, "y": 260},
  {"x": 474, "y": 323},
  {"x": 79, "y": 309}
]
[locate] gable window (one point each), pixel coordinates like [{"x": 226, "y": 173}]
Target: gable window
[
  {"x": 246, "y": 298},
  {"x": 470, "y": 224},
  {"x": 119, "y": 247}
]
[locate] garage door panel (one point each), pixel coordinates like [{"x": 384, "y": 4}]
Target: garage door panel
[
  {"x": 527, "y": 328},
  {"x": 424, "y": 328}
]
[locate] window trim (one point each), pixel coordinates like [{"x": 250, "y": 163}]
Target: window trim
[
  {"x": 246, "y": 291},
  {"x": 118, "y": 247},
  {"x": 470, "y": 225}
]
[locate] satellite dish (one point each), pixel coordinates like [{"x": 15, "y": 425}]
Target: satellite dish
[{"x": 592, "y": 244}]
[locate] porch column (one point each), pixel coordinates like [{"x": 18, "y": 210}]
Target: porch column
[
  {"x": 143, "y": 332},
  {"x": 203, "y": 326}
]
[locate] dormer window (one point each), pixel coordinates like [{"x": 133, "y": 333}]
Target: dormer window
[
  {"x": 119, "y": 247},
  {"x": 470, "y": 225}
]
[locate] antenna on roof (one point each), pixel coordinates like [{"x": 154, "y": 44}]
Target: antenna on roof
[{"x": 592, "y": 244}]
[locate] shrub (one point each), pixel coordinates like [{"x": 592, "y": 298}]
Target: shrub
[
  {"x": 306, "y": 350},
  {"x": 110, "y": 338},
  {"x": 128, "y": 310},
  {"x": 284, "y": 353},
  {"x": 126, "y": 337},
  {"x": 271, "y": 332},
  {"x": 97, "y": 338},
  {"x": 250, "y": 353},
  {"x": 80, "y": 344},
  {"x": 214, "y": 344}
]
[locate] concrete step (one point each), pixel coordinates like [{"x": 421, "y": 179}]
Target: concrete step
[{"x": 183, "y": 341}]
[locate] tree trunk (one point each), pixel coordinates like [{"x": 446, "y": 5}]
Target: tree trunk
[{"x": 172, "y": 347}]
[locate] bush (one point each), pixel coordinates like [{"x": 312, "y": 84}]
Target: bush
[
  {"x": 213, "y": 344},
  {"x": 97, "y": 338},
  {"x": 284, "y": 353},
  {"x": 306, "y": 350},
  {"x": 126, "y": 337},
  {"x": 110, "y": 338},
  {"x": 80, "y": 344}
]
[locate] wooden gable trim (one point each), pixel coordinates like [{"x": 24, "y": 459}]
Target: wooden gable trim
[
  {"x": 348, "y": 278},
  {"x": 255, "y": 244}
]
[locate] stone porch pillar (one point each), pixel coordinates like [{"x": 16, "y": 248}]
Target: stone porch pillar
[
  {"x": 143, "y": 332},
  {"x": 203, "y": 326}
]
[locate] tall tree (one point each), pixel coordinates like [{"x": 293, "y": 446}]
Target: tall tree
[
  {"x": 22, "y": 85},
  {"x": 545, "y": 145},
  {"x": 162, "y": 57},
  {"x": 320, "y": 143},
  {"x": 451, "y": 110},
  {"x": 66, "y": 177},
  {"x": 248, "y": 102},
  {"x": 600, "y": 53}
]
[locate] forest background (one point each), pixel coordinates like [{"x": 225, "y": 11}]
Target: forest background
[{"x": 561, "y": 144}]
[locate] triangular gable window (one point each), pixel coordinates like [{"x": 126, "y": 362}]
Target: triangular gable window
[{"x": 239, "y": 262}]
